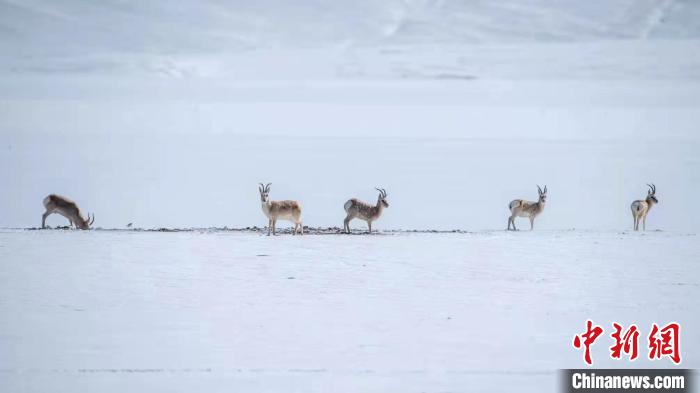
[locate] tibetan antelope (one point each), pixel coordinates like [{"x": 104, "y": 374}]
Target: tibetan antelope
[
  {"x": 68, "y": 209},
  {"x": 640, "y": 208},
  {"x": 274, "y": 210},
  {"x": 523, "y": 208},
  {"x": 356, "y": 208}
]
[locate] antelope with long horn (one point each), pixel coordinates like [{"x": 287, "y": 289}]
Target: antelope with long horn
[
  {"x": 68, "y": 209},
  {"x": 285, "y": 210},
  {"x": 356, "y": 208},
  {"x": 640, "y": 208},
  {"x": 523, "y": 208}
]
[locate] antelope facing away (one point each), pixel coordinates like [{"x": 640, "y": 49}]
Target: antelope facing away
[
  {"x": 68, "y": 209},
  {"x": 356, "y": 208},
  {"x": 640, "y": 208},
  {"x": 523, "y": 208},
  {"x": 274, "y": 210}
]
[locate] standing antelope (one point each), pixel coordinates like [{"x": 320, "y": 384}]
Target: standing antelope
[
  {"x": 523, "y": 208},
  {"x": 274, "y": 210},
  {"x": 640, "y": 208},
  {"x": 356, "y": 208},
  {"x": 68, "y": 209}
]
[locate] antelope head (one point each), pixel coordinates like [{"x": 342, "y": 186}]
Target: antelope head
[
  {"x": 264, "y": 192},
  {"x": 86, "y": 223},
  {"x": 542, "y": 193},
  {"x": 382, "y": 197},
  {"x": 651, "y": 194}
]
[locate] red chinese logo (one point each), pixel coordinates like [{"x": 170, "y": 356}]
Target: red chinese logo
[
  {"x": 589, "y": 337},
  {"x": 627, "y": 343},
  {"x": 663, "y": 342}
]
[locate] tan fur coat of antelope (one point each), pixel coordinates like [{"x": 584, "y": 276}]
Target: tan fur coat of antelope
[
  {"x": 280, "y": 210},
  {"x": 68, "y": 209},
  {"x": 355, "y": 208},
  {"x": 523, "y": 208},
  {"x": 640, "y": 208}
]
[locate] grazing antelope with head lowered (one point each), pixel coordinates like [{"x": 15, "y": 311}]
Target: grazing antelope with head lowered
[
  {"x": 640, "y": 208},
  {"x": 356, "y": 208},
  {"x": 523, "y": 208},
  {"x": 68, "y": 209},
  {"x": 274, "y": 210}
]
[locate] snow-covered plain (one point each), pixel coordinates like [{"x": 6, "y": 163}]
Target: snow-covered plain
[
  {"x": 169, "y": 114},
  {"x": 455, "y": 108},
  {"x": 220, "y": 311}
]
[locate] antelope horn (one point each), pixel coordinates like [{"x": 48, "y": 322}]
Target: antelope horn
[
  {"x": 539, "y": 189},
  {"x": 384, "y": 191},
  {"x": 261, "y": 187},
  {"x": 545, "y": 188},
  {"x": 90, "y": 220},
  {"x": 651, "y": 188},
  {"x": 267, "y": 187}
]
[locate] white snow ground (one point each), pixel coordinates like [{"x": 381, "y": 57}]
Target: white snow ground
[
  {"x": 169, "y": 114},
  {"x": 446, "y": 159},
  {"x": 219, "y": 311}
]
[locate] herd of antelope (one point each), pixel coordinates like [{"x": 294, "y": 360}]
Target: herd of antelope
[{"x": 354, "y": 208}]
